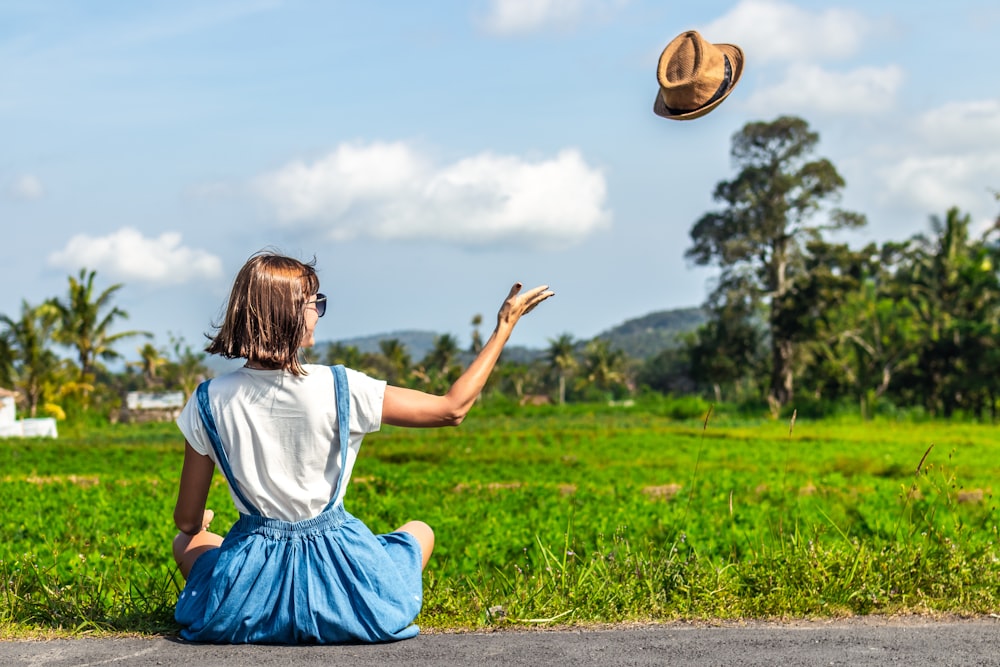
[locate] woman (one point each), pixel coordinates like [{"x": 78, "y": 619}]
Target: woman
[{"x": 297, "y": 567}]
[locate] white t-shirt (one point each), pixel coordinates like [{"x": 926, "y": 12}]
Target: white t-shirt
[{"x": 279, "y": 432}]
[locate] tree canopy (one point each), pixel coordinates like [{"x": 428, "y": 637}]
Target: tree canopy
[{"x": 771, "y": 209}]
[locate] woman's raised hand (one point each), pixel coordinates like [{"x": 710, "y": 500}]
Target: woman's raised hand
[
  {"x": 518, "y": 304},
  {"x": 409, "y": 407}
]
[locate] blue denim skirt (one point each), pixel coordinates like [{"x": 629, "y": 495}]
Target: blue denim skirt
[{"x": 325, "y": 580}]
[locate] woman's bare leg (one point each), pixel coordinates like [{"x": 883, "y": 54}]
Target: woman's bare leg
[
  {"x": 187, "y": 548},
  {"x": 425, "y": 537}
]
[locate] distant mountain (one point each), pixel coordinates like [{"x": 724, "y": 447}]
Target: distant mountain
[
  {"x": 419, "y": 343},
  {"x": 647, "y": 336},
  {"x": 640, "y": 338}
]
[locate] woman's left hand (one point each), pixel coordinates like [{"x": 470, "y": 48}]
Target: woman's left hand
[{"x": 517, "y": 304}]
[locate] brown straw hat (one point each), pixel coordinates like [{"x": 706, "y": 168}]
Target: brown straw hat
[{"x": 695, "y": 76}]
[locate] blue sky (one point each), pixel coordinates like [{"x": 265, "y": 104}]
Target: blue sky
[{"x": 431, "y": 153}]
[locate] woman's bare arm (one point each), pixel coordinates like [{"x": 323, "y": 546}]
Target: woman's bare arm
[
  {"x": 196, "y": 478},
  {"x": 409, "y": 407}
]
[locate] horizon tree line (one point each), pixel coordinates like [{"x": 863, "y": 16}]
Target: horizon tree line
[{"x": 793, "y": 319}]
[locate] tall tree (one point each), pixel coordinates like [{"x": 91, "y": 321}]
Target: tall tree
[
  {"x": 443, "y": 354},
  {"x": 858, "y": 333},
  {"x": 151, "y": 360},
  {"x": 439, "y": 365},
  {"x": 951, "y": 281},
  {"x": 477, "y": 338},
  {"x": 561, "y": 357},
  {"x": 726, "y": 352},
  {"x": 604, "y": 367},
  {"x": 393, "y": 361},
  {"x": 33, "y": 363},
  {"x": 341, "y": 353},
  {"x": 185, "y": 368},
  {"x": 758, "y": 238},
  {"x": 86, "y": 319},
  {"x": 7, "y": 357}
]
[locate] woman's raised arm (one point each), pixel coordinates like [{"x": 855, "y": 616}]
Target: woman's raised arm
[{"x": 409, "y": 407}]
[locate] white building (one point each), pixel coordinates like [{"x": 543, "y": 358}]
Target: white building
[
  {"x": 142, "y": 406},
  {"x": 10, "y": 425}
]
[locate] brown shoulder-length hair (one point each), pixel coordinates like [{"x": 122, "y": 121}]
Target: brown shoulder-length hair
[{"x": 265, "y": 315}]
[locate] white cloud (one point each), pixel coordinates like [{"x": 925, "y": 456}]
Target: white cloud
[
  {"x": 352, "y": 174},
  {"x": 862, "y": 91},
  {"x": 771, "y": 30},
  {"x": 786, "y": 35},
  {"x": 128, "y": 255},
  {"x": 389, "y": 191},
  {"x": 935, "y": 184},
  {"x": 515, "y": 17},
  {"x": 951, "y": 158},
  {"x": 962, "y": 125},
  {"x": 27, "y": 187}
]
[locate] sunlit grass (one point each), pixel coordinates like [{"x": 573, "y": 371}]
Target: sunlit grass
[{"x": 551, "y": 516}]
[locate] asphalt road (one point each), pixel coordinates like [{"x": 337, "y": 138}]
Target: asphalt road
[{"x": 855, "y": 642}]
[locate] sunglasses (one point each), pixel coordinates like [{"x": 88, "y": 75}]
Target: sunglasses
[{"x": 320, "y": 302}]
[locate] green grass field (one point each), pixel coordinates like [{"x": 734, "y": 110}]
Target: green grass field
[{"x": 562, "y": 516}]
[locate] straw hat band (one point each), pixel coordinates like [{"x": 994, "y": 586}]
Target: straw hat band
[{"x": 727, "y": 81}]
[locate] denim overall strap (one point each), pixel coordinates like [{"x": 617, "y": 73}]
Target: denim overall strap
[
  {"x": 343, "y": 397},
  {"x": 205, "y": 410}
]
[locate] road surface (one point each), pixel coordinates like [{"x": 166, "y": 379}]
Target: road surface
[{"x": 909, "y": 641}]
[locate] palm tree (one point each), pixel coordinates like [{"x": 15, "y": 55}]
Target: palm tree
[
  {"x": 85, "y": 322},
  {"x": 439, "y": 364},
  {"x": 151, "y": 359},
  {"x": 348, "y": 355},
  {"x": 477, "y": 337},
  {"x": 7, "y": 358},
  {"x": 512, "y": 377},
  {"x": 186, "y": 369},
  {"x": 33, "y": 363},
  {"x": 396, "y": 358},
  {"x": 561, "y": 357},
  {"x": 954, "y": 296},
  {"x": 603, "y": 366},
  {"x": 443, "y": 354}
]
